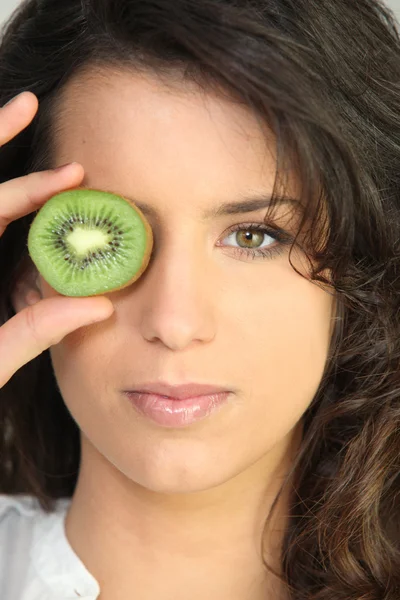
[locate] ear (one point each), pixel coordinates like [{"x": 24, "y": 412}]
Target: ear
[{"x": 26, "y": 289}]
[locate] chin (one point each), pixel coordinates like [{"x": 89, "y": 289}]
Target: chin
[{"x": 176, "y": 476}]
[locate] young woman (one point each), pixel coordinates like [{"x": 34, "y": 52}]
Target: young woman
[{"x": 261, "y": 140}]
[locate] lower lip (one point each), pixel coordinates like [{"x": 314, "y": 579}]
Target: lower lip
[{"x": 176, "y": 413}]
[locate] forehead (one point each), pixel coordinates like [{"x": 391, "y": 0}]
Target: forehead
[
  {"x": 138, "y": 109},
  {"x": 134, "y": 129}
]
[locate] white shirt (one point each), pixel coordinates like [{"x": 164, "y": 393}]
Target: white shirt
[{"x": 36, "y": 559}]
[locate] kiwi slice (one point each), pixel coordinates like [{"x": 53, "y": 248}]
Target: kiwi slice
[{"x": 86, "y": 242}]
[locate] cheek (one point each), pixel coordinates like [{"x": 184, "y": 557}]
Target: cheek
[
  {"x": 281, "y": 342},
  {"x": 81, "y": 361},
  {"x": 80, "y": 356}
]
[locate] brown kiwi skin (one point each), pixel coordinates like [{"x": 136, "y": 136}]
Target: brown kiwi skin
[{"x": 149, "y": 238}]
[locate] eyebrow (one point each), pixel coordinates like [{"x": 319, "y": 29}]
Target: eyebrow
[{"x": 243, "y": 206}]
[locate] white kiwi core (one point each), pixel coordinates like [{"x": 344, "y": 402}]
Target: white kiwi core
[{"x": 83, "y": 240}]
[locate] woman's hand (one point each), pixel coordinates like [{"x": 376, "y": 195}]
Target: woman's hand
[{"x": 41, "y": 323}]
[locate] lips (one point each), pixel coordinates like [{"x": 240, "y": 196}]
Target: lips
[
  {"x": 168, "y": 412},
  {"x": 178, "y": 392}
]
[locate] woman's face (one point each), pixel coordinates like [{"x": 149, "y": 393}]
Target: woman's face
[{"x": 201, "y": 312}]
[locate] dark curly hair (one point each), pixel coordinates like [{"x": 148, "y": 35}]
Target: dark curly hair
[{"x": 324, "y": 75}]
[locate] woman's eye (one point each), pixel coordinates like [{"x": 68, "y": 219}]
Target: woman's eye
[{"x": 257, "y": 240}]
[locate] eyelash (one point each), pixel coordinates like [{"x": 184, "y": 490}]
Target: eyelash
[{"x": 279, "y": 235}]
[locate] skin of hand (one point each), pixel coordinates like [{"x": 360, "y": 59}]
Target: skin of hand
[{"x": 38, "y": 323}]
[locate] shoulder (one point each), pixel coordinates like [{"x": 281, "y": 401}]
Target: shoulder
[
  {"x": 17, "y": 519},
  {"x": 17, "y": 506},
  {"x": 16, "y": 512},
  {"x": 19, "y": 515},
  {"x": 22, "y": 523},
  {"x": 24, "y": 507}
]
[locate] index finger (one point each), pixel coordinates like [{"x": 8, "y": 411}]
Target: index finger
[
  {"x": 21, "y": 196},
  {"x": 16, "y": 114}
]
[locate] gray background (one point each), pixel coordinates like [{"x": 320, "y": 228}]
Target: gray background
[{"x": 7, "y": 6}]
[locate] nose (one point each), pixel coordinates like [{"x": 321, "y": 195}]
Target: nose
[{"x": 177, "y": 303}]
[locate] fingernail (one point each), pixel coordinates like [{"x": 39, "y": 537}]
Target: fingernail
[
  {"x": 103, "y": 314},
  {"x": 37, "y": 283},
  {"x": 99, "y": 318},
  {"x": 32, "y": 298},
  {"x": 12, "y": 99},
  {"x": 62, "y": 167}
]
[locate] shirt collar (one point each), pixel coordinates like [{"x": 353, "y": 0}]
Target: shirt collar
[{"x": 56, "y": 562}]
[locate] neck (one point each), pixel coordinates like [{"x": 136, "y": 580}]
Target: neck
[{"x": 205, "y": 544}]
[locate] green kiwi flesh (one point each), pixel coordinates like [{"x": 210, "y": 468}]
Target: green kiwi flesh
[{"x": 86, "y": 242}]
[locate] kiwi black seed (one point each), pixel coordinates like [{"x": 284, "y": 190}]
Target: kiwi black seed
[{"x": 86, "y": 242}]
